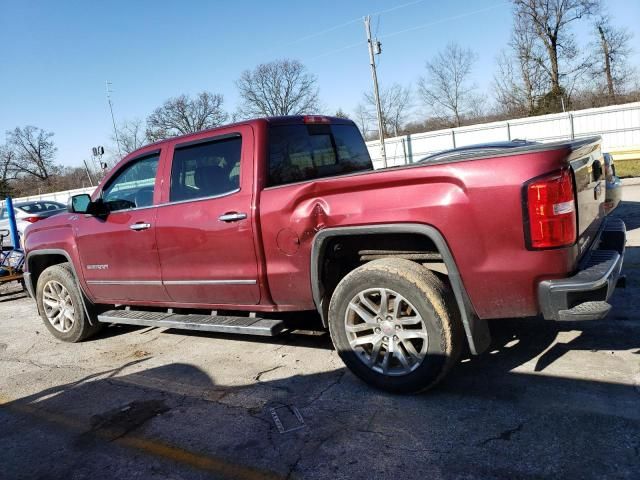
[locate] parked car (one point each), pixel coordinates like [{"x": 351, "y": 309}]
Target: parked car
[
  {"x": 28, "y": 213},
  {"x": 229, "y": 229},
  {"x": 613, "y": 184}
]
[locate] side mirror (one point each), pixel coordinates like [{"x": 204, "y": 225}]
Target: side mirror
[{"x": 79, "y": 203}]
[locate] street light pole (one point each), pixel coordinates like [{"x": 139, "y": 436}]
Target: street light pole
[{"x": 376, "y": 45}]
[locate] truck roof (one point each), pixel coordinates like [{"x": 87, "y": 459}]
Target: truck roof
[{"x": 281, "y": 120}]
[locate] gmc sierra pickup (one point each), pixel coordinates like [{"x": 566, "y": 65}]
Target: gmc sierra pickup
[{"x": 226, "y": 229}]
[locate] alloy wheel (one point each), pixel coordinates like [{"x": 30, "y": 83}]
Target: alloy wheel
[{"x": 386, "y": 331}]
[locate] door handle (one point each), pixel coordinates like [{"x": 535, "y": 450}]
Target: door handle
[
  {"x": 139, "y": 226},
  {"x": 232, "y": 217}
]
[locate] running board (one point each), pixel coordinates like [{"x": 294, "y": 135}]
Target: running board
[{"x": 207, "y": 323}]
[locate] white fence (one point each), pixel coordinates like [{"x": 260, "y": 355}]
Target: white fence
[{"x": 618, "y": 125}]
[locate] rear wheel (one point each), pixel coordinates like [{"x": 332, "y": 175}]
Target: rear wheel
[
  {"x": 61, "y": 305},
  {"x": 395, "y": 325}
]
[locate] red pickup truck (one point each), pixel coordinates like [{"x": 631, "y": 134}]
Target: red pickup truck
[{"x": 227, "y": 229}]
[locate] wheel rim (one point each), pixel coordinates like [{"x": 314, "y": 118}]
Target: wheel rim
[
  {"x": 58, "y": 306},
  {"x": 386, "y": 331}
]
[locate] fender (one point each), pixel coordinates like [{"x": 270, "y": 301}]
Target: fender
[
  {"x": 53, "y": 251},
  {"x": 476, "y": 329}
]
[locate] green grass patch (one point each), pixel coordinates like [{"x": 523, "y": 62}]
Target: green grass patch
[{"x": 627, "y": 168}]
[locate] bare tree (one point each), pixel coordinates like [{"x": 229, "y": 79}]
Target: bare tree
[
  {"x": 363, "y": 119},
  {"x": 520, "y": 80},
  {"x": 183, "y": 114},
  {"x": 395, "y": 102},
  {"x": 550, "y": 21},
  {"x": 33, "y": 152},
  {"x": 281, "y": 87},
  {"x": 446, "y": 89},
  {"x": 613, "y": 46},
  {"x": 6, "y": 169},
  {"x": 132, "y": 135}
]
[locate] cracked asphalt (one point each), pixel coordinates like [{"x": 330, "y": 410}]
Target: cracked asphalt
[{"x": 546, "y": 401}]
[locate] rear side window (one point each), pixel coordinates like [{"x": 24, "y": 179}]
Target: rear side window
[
  {"x": 206, "y": 169},
  {"x": 306, "y": 152},
  {"x": 31, "y": 208}
]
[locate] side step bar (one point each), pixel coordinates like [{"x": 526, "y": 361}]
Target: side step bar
[{"x": 207, "y": 323}]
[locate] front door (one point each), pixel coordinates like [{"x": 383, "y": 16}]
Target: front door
[
  {"x": 118, "y": 250},
  {"x": 204, "y": 227}
]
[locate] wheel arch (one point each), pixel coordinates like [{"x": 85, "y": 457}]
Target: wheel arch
[
  {"x": 38, "y": 261},
  {"x": 476, "y": 329}
]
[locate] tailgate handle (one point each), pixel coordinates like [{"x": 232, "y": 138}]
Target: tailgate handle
[{"x": 232, "y": 217}]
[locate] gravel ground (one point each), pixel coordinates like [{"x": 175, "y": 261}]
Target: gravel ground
[{"x": 546, "y": 401}]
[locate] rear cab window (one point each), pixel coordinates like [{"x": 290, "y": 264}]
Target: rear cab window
[{"x": 306, "y": 152}]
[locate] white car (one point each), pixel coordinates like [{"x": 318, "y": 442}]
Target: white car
[{"x": 28, "y": 213}]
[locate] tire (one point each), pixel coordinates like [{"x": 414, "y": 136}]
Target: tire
[
  {"x": 430, "y": 346},
  {"x": 69, "y": 323}
]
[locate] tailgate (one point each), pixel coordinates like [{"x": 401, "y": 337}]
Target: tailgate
[{"x": 587, "y": 163}]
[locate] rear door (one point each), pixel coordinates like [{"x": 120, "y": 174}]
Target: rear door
[{"x": 205, "y": 230}]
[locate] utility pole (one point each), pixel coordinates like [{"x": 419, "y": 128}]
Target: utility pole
[
  {"x": 113, "y": 119},
  {"x": 375, "y": 48}
]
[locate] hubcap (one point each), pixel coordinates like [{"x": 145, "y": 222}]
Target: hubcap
[
  {"x": 386, "y": 331},
  {"x": 58, "y": 307}
]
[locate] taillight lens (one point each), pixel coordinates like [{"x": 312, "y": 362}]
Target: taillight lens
[
  {"x": 32, "y": 219},
  {"x": 551, "y": 206}
]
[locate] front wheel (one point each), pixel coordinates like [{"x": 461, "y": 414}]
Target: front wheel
[
  {"x": 61, "y": 307},
  {"x": 396, "y": 325}
]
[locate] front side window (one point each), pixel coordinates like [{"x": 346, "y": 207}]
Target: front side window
[
  {"x": 206, "y": 169},
  {"x": 133, "y": 186},
  {"x": 307, "y": 152}
]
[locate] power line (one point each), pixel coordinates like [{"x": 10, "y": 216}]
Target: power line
[
  {"x": 346, "y": 24},
  {"x": 417, "y": 27},
  {"x": 446, "y": 19}
]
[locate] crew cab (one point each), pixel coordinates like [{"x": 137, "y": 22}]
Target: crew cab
[{"x": 229, "y": 229}]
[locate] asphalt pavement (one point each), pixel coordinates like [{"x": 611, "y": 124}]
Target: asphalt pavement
[{"x": 546, "y": 401}]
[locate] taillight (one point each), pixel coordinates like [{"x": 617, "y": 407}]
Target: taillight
[
  {"x": 551, "y": 208},
  {"x": 32, "y": 219}
]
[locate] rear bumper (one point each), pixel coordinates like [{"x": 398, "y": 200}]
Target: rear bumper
[{"x": 584, "y": 296}]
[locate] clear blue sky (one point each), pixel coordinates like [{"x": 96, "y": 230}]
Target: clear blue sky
[{"x": 56, "y": 56}]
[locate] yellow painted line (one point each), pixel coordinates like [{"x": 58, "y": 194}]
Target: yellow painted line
[{"x": 158, "y": 449}]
